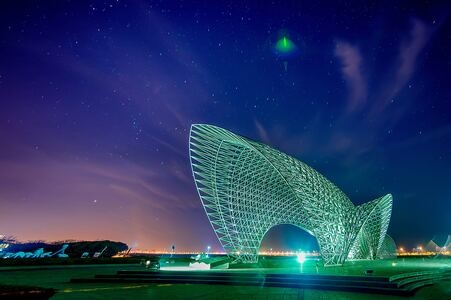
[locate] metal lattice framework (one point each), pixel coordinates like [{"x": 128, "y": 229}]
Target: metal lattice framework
[
  {"x": 388, "y": 248},
  {"x": 247, "y": 187}
]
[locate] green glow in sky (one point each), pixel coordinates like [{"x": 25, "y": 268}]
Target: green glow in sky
[{"x": 285, "y": 45}]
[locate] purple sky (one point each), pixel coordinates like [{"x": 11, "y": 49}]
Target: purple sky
[{"x": 96, "y": 100}]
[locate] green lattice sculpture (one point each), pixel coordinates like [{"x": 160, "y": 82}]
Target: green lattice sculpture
[
  {"x": 388, "y": 249},
  {"x": 247, "y": 187}
]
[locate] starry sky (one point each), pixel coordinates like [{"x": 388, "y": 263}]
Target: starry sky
[{"x": 97, "y": 98}]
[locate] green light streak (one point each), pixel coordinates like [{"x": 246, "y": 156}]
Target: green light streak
[{"x": 285, "y": 45}]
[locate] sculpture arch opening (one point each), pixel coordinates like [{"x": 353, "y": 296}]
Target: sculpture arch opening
[{"x": 288, "y": 237}]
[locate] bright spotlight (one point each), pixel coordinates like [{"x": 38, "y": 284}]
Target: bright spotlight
[{"x": 301, "y": 257}]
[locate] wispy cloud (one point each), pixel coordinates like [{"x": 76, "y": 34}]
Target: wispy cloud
[
  {"x": 262, "y": 132},
  {"x": 398, "y": 72},
  {"x": 94, "y": 193},
  {"x": 404, "y": 67},
  {"x": 351, "y": 61},
  {"x": 409, "y": 50},
  {"x": 368, "y": 104}
]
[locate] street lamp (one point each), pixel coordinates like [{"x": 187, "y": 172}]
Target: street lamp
[
  {"x": 301, "y": 259},
  {"x": 208, "y": 250}
]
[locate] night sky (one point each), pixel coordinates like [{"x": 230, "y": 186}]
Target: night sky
[{"x": 97, "y": 98}]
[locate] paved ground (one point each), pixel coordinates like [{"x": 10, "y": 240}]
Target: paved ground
[{"x": 58, "y": 278}]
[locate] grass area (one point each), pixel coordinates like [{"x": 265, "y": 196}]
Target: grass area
[
  {"x": 387, "y": 267},
  {"x": 58, "y": 277},
  {"x": 67, "y": 261},
  {"x": 25, "y": 292}
]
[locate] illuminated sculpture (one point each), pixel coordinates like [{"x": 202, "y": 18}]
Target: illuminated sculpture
[
  {"x": 388, "y": 248},
  {"x": 247, "y": 188}
]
